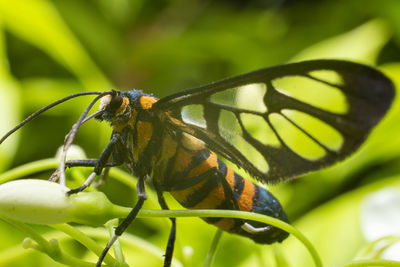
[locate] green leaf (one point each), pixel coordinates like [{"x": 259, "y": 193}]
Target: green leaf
[
  {"x": 9, "y": 104},
  {"x": 38, "y": 22},
  {"x": 361, "y": 44}
]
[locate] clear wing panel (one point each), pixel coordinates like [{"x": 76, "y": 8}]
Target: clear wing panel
[
  {"x": 239, "y": 97},
  {"x": 260, "y": 129},
  {"x": 322, "y": 132},
  {"x": 315, "y": 93},
  {"x": 329, "y": 76},
  {"x": 298, "y": 141},
  {"x": 193, "y": 114}
]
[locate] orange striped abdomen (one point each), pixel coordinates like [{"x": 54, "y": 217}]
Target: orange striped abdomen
[{"x": 198, "y": 185}]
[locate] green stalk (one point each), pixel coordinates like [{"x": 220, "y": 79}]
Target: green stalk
[
  {"x": 85, "y": 240},
  {"x": 213, "y": 249},
  {"x": 370, "y": 263},
  {"x": 51, "y": 248},
  {"x": 240, "y": 215},
  {"x": 110, "y": 225},
  {"x": 28, "y": 169}
]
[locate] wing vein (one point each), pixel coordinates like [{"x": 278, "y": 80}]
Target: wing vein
[
  {"x": 236, "y": 110},
  {"x": 307, "y": 133}
]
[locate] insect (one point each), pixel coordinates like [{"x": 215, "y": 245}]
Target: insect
[{"x": 157, "y": 138}]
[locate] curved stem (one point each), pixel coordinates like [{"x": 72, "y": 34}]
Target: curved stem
[
  {"x": 240, "y": 215},
  {"x": 110, "y": 225},
  {"x": 82, "y": 238},
  {"x": 29, "y": 168},
  {"x": 213, "y": 249},
  {"x": 50, "y": 248},
  {"x": 368, "y": 263}
]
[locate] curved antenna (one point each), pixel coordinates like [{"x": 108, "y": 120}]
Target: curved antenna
[
  {"x": 40, "y": 111},
  {"x": 71, "y": 135},
  {"x": 93, "y": 115}
]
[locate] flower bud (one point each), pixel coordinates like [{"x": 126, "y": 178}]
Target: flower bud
[
  {"x": 74, "y": 152},
  {"x": 44, "y": 202}
]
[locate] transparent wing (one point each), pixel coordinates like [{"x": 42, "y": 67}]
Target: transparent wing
[{"x": 286, "y": 120}]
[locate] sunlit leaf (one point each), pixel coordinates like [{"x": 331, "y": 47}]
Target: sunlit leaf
[
  {"x": 38, "y": 22},
  {"x": 9, "y": 104},
  {"x": 361, "y": 44}
]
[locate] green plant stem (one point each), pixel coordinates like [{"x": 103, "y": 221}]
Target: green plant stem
[
  {"x": 49, "y": 248},
  {"x": 232, "y": 214},
  {"x": 29, "y": 168},
  {"x": 240, "y": 215},
  {"x": 84, "y": 240},
  {"x": 119, "y": 256},
  {"x": 42, "y": 242},
  {"x": 213, "y": 249},
  {"x": 132, "y": 241},
  {"x": 12, "y": 254},
  {"x": 371, "y": 252},
  {"x": 368, "y": 263}
]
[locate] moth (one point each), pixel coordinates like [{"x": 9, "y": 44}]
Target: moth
[{"x": 306, "y": 116}]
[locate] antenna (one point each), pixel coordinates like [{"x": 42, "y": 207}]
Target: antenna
[
  {"x": 71, "y": 135},
  {"x": 40, "y": 111}
]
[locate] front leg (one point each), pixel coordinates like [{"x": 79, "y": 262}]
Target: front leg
[
  {"x": 82, "y": 163},
  {"x": 127, "y": 221},
  {"x": 98, "y": 164},
  {"x": 172, "y": 235}
]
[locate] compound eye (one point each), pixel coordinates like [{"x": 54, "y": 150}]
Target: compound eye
[{"x": 115, "y": 103}]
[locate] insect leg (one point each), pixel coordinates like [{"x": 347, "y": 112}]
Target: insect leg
[
  {"x": 100, "y": 164},
  {"x": 171, "y": 240},
  {"x": 229, "y": 196},
  {"x": 82, "y": 163},
  {"x": 103, "y": 177},
  {"x": 254, "y": 230},
  {"x": 127, "y": 221}
]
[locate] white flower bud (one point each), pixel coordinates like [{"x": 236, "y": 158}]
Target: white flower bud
[
  {"x": 74, "y": 152},
  {"x": 34, "y": 201},
  {"x": 44, "y": 202}
]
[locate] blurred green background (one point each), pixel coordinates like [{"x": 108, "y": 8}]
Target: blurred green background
[{"x": 50, "y": 49}]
